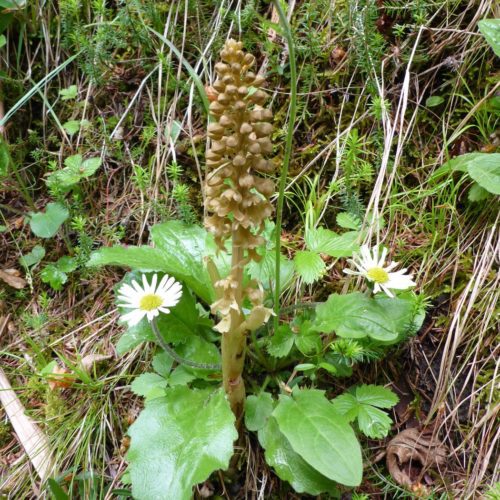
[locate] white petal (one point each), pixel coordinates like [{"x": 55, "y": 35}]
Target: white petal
[
  {"x": 137, "y": 287},
  {"x": 152, "y": 314},
  {"x": 154, "y": 280},
  {"x": 127, "y": 290},
  {"x": 376, "y": 288},
  {"x": 163, "y": 281},
  {"x": 164, "y": 310},
  {"x": 168, "y": 284},
  {"x": 387, "y": 291},
  {"x": 399, "y": 282},
  {"x": 127, "y": 306},
  {"x": 391, "y": 266},
  {"x": 382, "y": 257},
  {"x": 134, "y": 317},
  {"x": 353, "y": 273},
  {"x": 145, "y": 283}
]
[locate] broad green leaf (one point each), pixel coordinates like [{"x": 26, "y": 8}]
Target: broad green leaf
[
  {"x": 184, "y": 248},
  {"x": 142, "y": 258},
  {"x": 434, "y": 100},
  {"x": 406, "y": 315},
  {"x": 149, "y": 385},
  {"x": 32, "y": 258},
  {"x": 281, "y": 342},
  {"x": 376, "y": 395},
  {"x": 355, "y": 315},
  {"x": 490, "y": 28},
  {"x": 257, "y": 410},
  {"x": 180, "y": 376},
  {"x": 461, "y": 163},
  {"x": 485, "y": 170},
  {"x": 178, "y": 441},
  {"x": 321, "y": 436},
  {"x": 46, "y": 224},
  {"x": 290, "y": 466},
  {"x": 348, "y": 221},
  {"x": 134, "y": 336},
  {"x": 309, "y": 266},
  {"x": 199, "y": 350}
]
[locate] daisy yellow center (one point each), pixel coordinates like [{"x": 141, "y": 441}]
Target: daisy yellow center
[
  {"x": 150, "y": 301},
  {"x": 378, "y": 275}
]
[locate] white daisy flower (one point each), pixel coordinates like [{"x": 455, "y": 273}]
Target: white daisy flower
[
  {"x": 149, "y": 300},
  {"x": 369, "y": 265}
]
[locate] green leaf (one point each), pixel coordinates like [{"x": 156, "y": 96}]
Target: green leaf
[
  {"x": 478, "y": 193},
  {"x": 3, "y": 41},
  {"x": 309, "y": 266},
  {"x": 149, "y": 385},
  {"x": 75, "y": 170},
  {"x": 180, "y": 376},
  {"x": 490, "y": 29},
  {"x": 281, "y": 342},
  {"x": 134, "y": 336},
  {"x": 257, "y": 410},
  {"x": 461, "y": 163},
  {"x": 72, "y": 126},
  {"x": 323, "y": 240},
  {"x": 66, "y": 264},
  {"x": 321, "y": 436},
  {"x": 184, "y": 248},
  {"x": 433, "y": 101},
  {"x": 376, "y": 395},
  {"x": 46, "y": 224},
  {"x": 373, "y": 423},
  {"x": 142, "y": 258},
  {"x": 405, "y": 312},
  {"x": 69, "y": 93},
  {"x": 52, "y": 275},
  {"x": 55, "y": 274},
  {"x": 485, "y": 170},
  {"x": 264, "y": 271},
  {"x": 308, "y": 340},
  {"x": 199, "y": 350},
  {"x": 162, "y": 363},
  {"x": 32, "y": 258},
  {"x": 355, "y": 315},
  {"x": 290, "y": 466},
  {"x": 348, "y": 221},
  {"x": 363, "y": 403},
  {"x": 178, "y": 441}
]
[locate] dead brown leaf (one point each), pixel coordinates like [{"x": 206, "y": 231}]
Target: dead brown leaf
[
  {"x": 411, "y": 453},
  {"x": 13, "y": 278}
]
